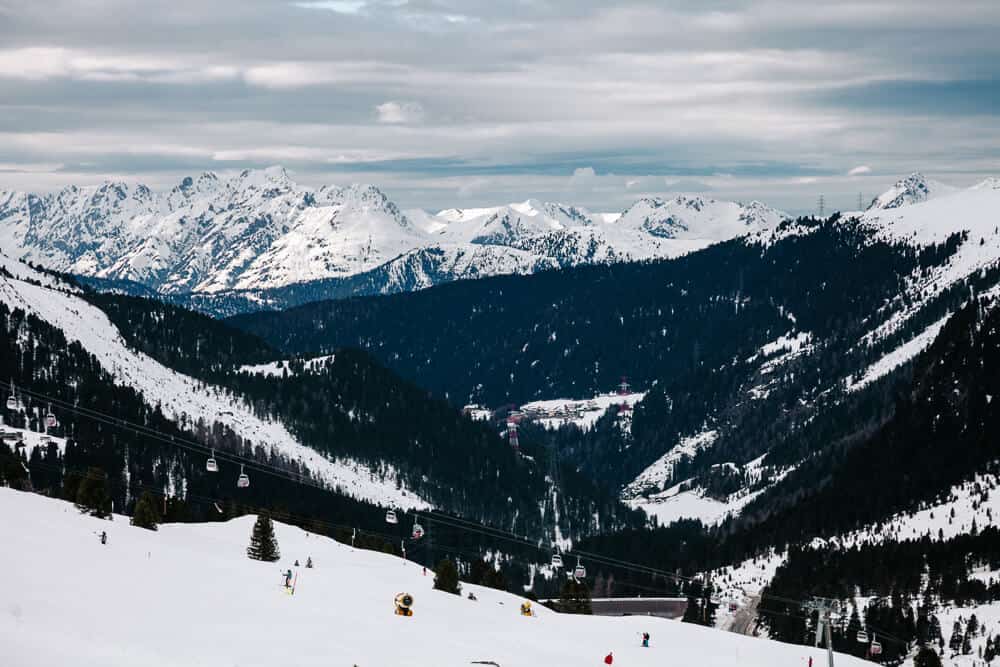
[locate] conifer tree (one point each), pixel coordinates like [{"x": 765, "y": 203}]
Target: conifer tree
[
  {"x": 263, "y": 544},
  {"x": 92, "y": 495},
  {"x": 446, "y": 577},
  {"x": 146, "y": 514},
  {"x": 926, "y": 657}
]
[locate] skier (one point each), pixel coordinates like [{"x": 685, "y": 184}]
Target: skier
[
  {"x": 104, "y": 537},
  {"x": 296, "y": 562},
  {"x": 645, "y": 640},
  {"x": 309, "y": 562},
  {"x": 472, "y": 596},
  {"x": 288, "y": 579},
  {"x": 609, "y": 658}
]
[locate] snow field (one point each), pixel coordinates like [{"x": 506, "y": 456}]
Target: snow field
[{"x": 187, "y": 595}]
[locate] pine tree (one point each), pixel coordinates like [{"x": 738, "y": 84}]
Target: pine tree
[
  {"x": 446, "y": 577},
  {"x": 955, "y": 644},
  {"x": 926, "y": 657},
  {"x": 92, "y": 494},
  {"x": 263, "y": 545},
  {"x": 146, "y": 514}
]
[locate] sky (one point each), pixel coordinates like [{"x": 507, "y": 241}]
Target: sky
[{"x": 461, "y": 103}]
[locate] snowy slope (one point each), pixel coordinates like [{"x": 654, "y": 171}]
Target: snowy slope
[
  {"x": 188, "y": 595},
  {"x": 583, "y": 413},
  {"x": 178, "y": 394}
]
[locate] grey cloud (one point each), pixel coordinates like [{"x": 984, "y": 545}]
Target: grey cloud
[{"x": 478, "y": 100}]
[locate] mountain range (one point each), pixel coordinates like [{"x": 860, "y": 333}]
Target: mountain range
[{"x": 258, "y": 240}]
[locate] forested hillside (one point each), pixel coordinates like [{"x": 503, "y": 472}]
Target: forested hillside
[{"x": 747, "y": 336}]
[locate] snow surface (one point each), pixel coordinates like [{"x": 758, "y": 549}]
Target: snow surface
[
  {"x": 898, "y": 357},
  {"x": 178, "y": 394},
  {"x": 31, "y": 439},
  {"x": 659, "y": 472},
  {"x": 279, "y": 368},
  {"x": 188, "y": 595},
  {"x": 584, "y": 413},
  {"x": 935, "y": 521}
]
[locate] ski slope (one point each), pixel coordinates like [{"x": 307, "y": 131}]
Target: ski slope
[
  {"x": 178, "y": 394},
  {"x": 188, "y": 595}
]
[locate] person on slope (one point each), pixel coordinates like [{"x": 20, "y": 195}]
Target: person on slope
[
  {"x": 288, "y": 579},
  {"x": 645, "y": 640},
  {"x": 104, "y": 537},
  {"x": 609, "y": 658}
]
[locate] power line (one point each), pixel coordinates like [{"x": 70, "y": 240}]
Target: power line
[{"x": 432, "y": 516}]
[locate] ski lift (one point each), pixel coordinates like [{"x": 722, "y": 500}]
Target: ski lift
[
  {"x": 862, "y": 637},
  {"x": 557, "y": 560},
  {"x": 211, "y": 465},
  {"x": 243, "y": 481},
  {"x": 579, "y": 572},
  {"x": 418, "y": 531},
  {"x": 12, "y": 402},
  {"x": 50, "y": 420},
  {"x": 876, "y": 648},
  {"x": 390, "y": 517}
]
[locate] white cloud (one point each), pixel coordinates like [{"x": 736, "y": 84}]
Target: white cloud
[
  {"x": 399, "y": 112},
  {"x": 339, "y": 6},
  {"x": 859, "y": 170}
]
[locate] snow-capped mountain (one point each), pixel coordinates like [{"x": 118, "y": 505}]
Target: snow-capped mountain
[
  {"x": 695, "y": 217},
  {"x": 259, "y": 231},
  {"x": 913, "y": 189}
]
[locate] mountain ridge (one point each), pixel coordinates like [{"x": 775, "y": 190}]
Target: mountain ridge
[{"x": 241, "y": 237}]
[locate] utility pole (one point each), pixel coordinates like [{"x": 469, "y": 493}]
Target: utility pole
[
  {"x": 825, "y": 609},
  {"x": 861, "y": 202},
  {"x": 822, "y": 205}
]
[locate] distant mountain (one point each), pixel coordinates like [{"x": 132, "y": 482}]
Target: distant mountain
[
  {"x": 913, "y": 189},
  {"x": 258, "y": 240}
]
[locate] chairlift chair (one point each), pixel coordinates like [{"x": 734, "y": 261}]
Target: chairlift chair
[
  {"x": 243, "y": 481},
  {"x": 211, "y": 465},
  {"x": 579, "y": 572},
  {"x": 12, "y": 402},
  {"x": 390, "y": 517},
  {"x": 418, "y": 531},
  {"x": 876, "y": 648},
  {"x": 50, "y": 420},
  {"x": 862, "y": 637},
  {"x": 557, "y": 560}
]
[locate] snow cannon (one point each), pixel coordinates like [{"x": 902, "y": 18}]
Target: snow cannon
[{"x": 404, "y": 604}]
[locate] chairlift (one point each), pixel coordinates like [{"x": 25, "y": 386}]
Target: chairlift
[
  {"x": 12, "y": 402},
  {"x": 418, "y": 531},
  {"x": 390, "y": 517},
  {"x": 876, "y": 648},
  {"x": 579, "y": 572},
  {"x": 211, "y": 465},
  {"x": 862, "y": 637},
  {"x": 557, "y": 560},
  {"x": 50, "y": 420},
  {"x": 243, "y": 481}
]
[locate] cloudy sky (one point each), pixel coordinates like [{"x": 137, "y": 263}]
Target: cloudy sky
[{"x": 465, "y": 102}]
